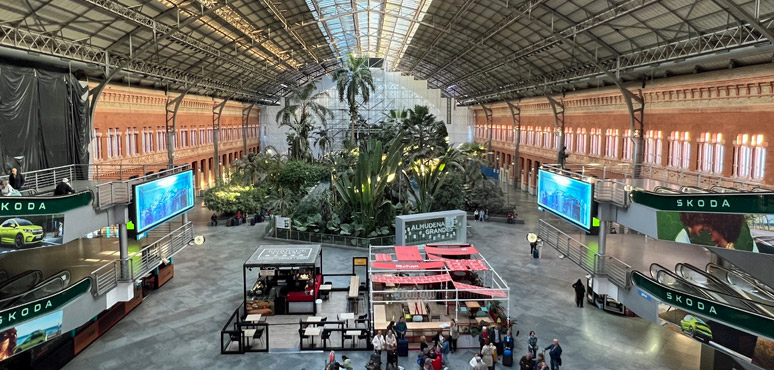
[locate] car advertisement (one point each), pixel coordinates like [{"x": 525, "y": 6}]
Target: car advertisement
[
  {"x": 749, "y": 347},
  {"x": 158, "y": 201},
  {"x": 745, "y": 232},
  {"x": 566, "y": 197},
  {"x": 26, "y": 232},
  {"x": 30, "y": 334}
]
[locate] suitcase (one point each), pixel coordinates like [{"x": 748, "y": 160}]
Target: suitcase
[
  {"x": 536, "y": 253},
  {"x": 403, "y": 347},
  {"x": 507, "y": 358}
]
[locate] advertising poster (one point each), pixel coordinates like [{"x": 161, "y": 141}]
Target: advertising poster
[
  {"x": 566, "y": 197},
  {"x": 160, "y": 200},
  {"x": 753, "y": 349},
  {"x": 746, "y": 232},
  {"x": 25, "y": 232},
  {"x": 30, "y": 334}
]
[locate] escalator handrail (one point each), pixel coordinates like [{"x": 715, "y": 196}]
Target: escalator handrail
[
  {"x": 41, "y": 285},
  {"x": 762, "y": 288},
  {"x": 727, "y": 290},
  {"x": 21, "y": 276}
]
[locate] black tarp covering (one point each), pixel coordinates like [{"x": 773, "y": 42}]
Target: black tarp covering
[{"x": 44, "y": 119}]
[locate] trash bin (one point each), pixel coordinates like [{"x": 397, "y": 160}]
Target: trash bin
[{"x": 318, "y": 303}]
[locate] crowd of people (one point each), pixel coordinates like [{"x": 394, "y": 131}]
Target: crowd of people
[
  {"x": 481, "y": 215},
  {"x": 434, "y": 353}
]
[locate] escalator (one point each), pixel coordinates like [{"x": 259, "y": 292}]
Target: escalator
[
  {"x": 745, "y": 285},
  {"x": 20, "y": 283},
  {"x": 50, "y": 286}
]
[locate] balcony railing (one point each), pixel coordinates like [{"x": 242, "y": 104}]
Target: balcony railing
[
  {"x": 618, "y": 272},
  {"x": 120, "y": 191}
]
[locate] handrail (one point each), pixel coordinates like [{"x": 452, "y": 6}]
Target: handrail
[
  {"x": 47, "y": 178},
  {"x": 617, "y": 271},
  {"x": 612, "y": 191},
  {"x": 120, "y": 191}
]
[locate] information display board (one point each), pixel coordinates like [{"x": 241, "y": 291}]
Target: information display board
[
  {"x": 158, "y": 201},
  {"x": 566, "y": 197}
]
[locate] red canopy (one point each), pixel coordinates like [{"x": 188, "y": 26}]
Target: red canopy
[
  {"x": 411, "y": 279},
  {"x": 407, "y": 266},
  {"x": 383, "y": 257},
  {"x": 451, "y": 251},
  {"x": 461, "y": 265},
  {"x": 408, "y": 253},
  {"x": 480, "y": 290}
]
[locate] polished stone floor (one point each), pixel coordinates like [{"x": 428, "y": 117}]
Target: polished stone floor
[{"x": 178, "y": 326}]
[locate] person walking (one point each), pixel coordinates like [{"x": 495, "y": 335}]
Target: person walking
[
  {"x": 487, "y": 353},
  {"x": 496, "y": 338},
  {"x": 486, "y": 216},
  {"x": 580, "y": 291},
  {"x": 475, "y": 215},
  {"x": 540, "y": 364},
  {"x": 391, "y": 345},
  {"x": 508, "y": 342},
  {"x": 445, "y": 350},
  {"x": 532, "y": 345},
  {"x": 16, "y": 179},
  {"x": 555, "y": 352},
  {"x": 378, "y": 342},
  {"x": 480, "y": 365},
  {"x": 483, "y": 338},
  {"x": 454, "y": 331}
]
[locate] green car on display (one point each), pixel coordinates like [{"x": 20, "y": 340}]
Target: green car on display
[
  {"x": 35, "y": 338},
  {"x": 695, "y": 326},
  {"x": 20, "y": 232}
]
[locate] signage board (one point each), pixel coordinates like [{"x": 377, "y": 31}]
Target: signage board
[
  {"x": 15, "y": 315},
  {"x": 753, "y": 323},
  {"x": 568, "y": 198},
  {"x": 282, "y": 222},
  {"x": 710, "y": 203},
  {"x": 23, "y": 206},
  {"x": 359, "y": 261},
  {"x": 429, "y": 228}
]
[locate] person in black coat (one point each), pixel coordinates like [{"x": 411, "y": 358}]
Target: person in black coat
[
  {"x": 64, "y": 188},
  {"x": 16, "y": 179},
  {"x": 580, "y": 291}
]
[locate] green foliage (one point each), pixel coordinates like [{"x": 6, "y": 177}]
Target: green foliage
[
  {"x": 233, "y": 198},
  {"x": 298, "y": 175},
  {"x": 299, "y": 115},
  {"x": 425, "y": 137},
  {"x": 354, "y": 80},
  {"x": 430, "y": 176},
  {"x": 364, "y": 188},
  {"x": 487, "y": 195},
  {"x": 281, "y": 200},
  {"x": 451, "y": 195},
  {"x": 257, "y": 169}
]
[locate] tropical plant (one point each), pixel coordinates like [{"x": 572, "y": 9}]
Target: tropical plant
[
  {"x": 298, "y": 175},
  {"x": 281, "y": 200},
  {"x": 429, "y": 176},
  {"x": 425, "y": 137},
  {"x": 451, "y": 195},
  {"x": 323, "y": 139},
  {"x": 256, "y": 168},
  {"x": 354, "y": 80},
  {"x": 299, "y": 114},
  {"x": 364, "y": 188},
  {"x": 233, "y": 198}
]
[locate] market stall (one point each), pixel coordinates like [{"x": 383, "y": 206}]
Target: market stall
[
  {"x": 432, "y": 284},
  {"x": 282, "y": 279}
]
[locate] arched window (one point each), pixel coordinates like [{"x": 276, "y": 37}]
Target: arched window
[
  {"x": 611, "y": 143},
  {"x": 749, "y": 156}
]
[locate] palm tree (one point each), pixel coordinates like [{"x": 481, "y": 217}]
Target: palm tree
[
  {"x": 426, "y": 137},
  {"x": 323, "y": 139},
  {"x": 353, "y": 80},
  {"x": 300, "y": 111}
]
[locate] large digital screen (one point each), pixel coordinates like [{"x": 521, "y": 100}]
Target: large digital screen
[
  {"x": 158, "y": 201},
  {"x": 568, "y": 198},
  {"x": 30, "y": 334}
]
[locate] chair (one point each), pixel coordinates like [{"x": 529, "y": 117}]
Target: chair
[
  {"x": 361, "y": 318},
  {"x": 326, "y": 335},
  {"x": 364, "y": 336},
  {"x": 435, "y": 317},
  {"x": 325, "y": 318},
  {"x": 301, "y": 334},
  {"x": 259, "y": 334},
  {"x": 345, "y": 337}
]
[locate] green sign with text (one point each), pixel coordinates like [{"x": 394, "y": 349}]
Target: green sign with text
[
  {"x": 756, "y": 324},
  {"x": 22, "y": 206},
  {"x": 762, "y": 203},
  {"x": 19, "y": 314}
]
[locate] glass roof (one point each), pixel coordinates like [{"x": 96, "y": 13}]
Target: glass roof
[{"x": 377, "y": 28}]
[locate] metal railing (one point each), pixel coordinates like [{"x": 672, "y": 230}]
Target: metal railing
[
  {"x": 352, "y": 241},
  {"x": 612, "y": 191},
  {"x": 150, "y": 257},
  {"x": 46, "y": 179},
  {"x": 618, "y": 272},
  {"x": 105, "y": 278},
  {"x": 120, "y": 191}
]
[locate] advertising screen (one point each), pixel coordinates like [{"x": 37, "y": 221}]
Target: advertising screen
[
  {"x": 160, "y": 200},
  {"x": 744, "y": 232},
  {"x": 30, "y": 334},
  {"x": 568, "y": 198}
]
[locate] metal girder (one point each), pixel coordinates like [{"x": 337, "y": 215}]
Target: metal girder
[
  {"x": 171, "y": 126},
  {"x": 523, "y": 10},
  {"x": 465, "y": 6},
  {"x": 79, "y": 51},
  {"x": 516, "y": 115},
  {"x": 277, "y": 14},
  {"x": 217, "y": 111},
  {"x": 740, "y": 14},
  {"x": 615, "y": 12},
  {"x": 709, "y": 43},
  {"x": 558, "y": 108},
  {"x": 490, "y": 123},
  {"x": 325, "y": 26},
  {"x": 374, "y": 9},
  {"x": 245, "y": 120}
]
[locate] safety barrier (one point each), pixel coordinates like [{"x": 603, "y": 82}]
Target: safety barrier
[
  {"x": 352, "y": 241},
  {"x": 105, "y": 278},
  {"x": 120, "y": 191},
  {"x": 612, "y": 191},
  {"x": 618, "y": 272}
]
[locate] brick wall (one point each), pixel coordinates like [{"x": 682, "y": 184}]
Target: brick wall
[
  {"x": 729, "y": 103},
  {"x": 124, "y": 110}
]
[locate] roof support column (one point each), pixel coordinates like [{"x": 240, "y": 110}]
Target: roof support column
[
  {"x": 558, "y": 108},
  {"x": 245, "y": 118},
  {"x": 490, "y": 123},
  {"x": 516, "y": 115},
  {"x": 635, "y": 105},
  {"x": 173, "y": 105},
  {"x": 217, "y": 111}
]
